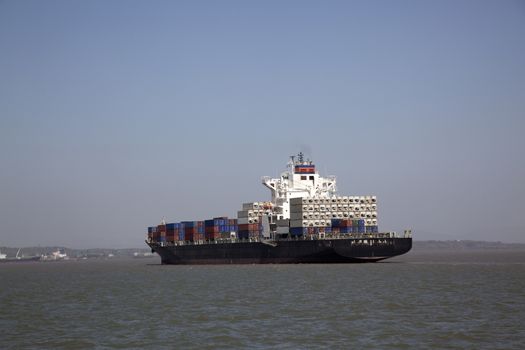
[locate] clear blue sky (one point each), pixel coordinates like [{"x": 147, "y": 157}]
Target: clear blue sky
[{"x": 114, "y": 114}]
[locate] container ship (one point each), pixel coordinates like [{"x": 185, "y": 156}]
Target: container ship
[{"x": 305, "y": 221}]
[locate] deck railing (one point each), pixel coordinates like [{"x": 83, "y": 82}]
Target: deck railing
[{"x": 361, "y": 238}]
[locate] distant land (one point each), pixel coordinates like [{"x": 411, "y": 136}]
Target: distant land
[
  {"x": 464, "y": 245},
  {"x": 418, "y": 246},
  {"x": 75, "y": 253}
]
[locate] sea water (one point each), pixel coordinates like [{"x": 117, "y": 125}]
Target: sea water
[{"x": 416, "y": 301}]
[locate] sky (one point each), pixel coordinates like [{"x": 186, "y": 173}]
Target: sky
[{"x": 117, "y": 114}]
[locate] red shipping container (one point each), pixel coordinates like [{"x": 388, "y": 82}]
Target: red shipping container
[
  {"x": 212, "y": 229},
  {"x": 213, "y": 235},
  {"x": 198, "y": 236}
]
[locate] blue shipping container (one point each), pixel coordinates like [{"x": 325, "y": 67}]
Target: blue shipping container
[
  {"x": 297, "y": 231},
  {"x": 345, "y": 230},
  {"x": 243, "y": 234}
]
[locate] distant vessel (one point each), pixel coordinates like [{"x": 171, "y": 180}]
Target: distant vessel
[
  {"x": 58, "y": 254},
  {"x": 143, "y": 255},
  {"x": 305, "y": 222},
  {"x": 18, "y": 258}
]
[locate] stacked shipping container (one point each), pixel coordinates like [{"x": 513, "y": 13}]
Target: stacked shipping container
[
  {"x": 308, "y": 216},
  {"x": 193, "y": 230},
  {"x": 220, "y": 227},
  {"x": 337, "y": 215},
  {"x": 250, "y": 219}
]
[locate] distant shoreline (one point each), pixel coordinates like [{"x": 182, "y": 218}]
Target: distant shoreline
[{"x": 465, "y": 245}]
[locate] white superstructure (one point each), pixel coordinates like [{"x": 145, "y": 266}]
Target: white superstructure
[{"x": 300, "y": 180}]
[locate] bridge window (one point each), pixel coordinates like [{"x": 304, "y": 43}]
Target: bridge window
[
  {"x": 311, "y": 177},
  {"x": 303, "y": 177}
]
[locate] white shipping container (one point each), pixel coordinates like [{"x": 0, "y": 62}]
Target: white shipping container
[
  {"x": 251, "y": 205},
  {"x": 298, "y": 216},
  {"x": 242, "y": 221},
  {"x": 283, "y": 230},
  {"x": 283, "y": 222},
  {"x": 298, "y": 223}
]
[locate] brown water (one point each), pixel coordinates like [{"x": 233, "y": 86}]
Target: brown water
[{"x": 419, "y": 301}]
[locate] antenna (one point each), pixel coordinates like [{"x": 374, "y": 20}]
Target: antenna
[{"x": 291, "y": 162}]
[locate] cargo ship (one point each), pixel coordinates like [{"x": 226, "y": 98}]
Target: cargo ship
[{"x": 305, "y": 221}]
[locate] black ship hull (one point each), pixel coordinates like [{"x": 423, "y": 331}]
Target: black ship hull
[{"x": 347, "y": 250}]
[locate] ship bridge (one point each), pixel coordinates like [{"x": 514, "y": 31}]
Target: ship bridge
[{"x": 300, "y": 180}]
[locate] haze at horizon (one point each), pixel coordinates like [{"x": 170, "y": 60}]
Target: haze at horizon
[{"x": 114, "y": 115}]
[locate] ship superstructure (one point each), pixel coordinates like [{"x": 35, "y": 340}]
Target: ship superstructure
[{"x": 300, "y": 180}]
